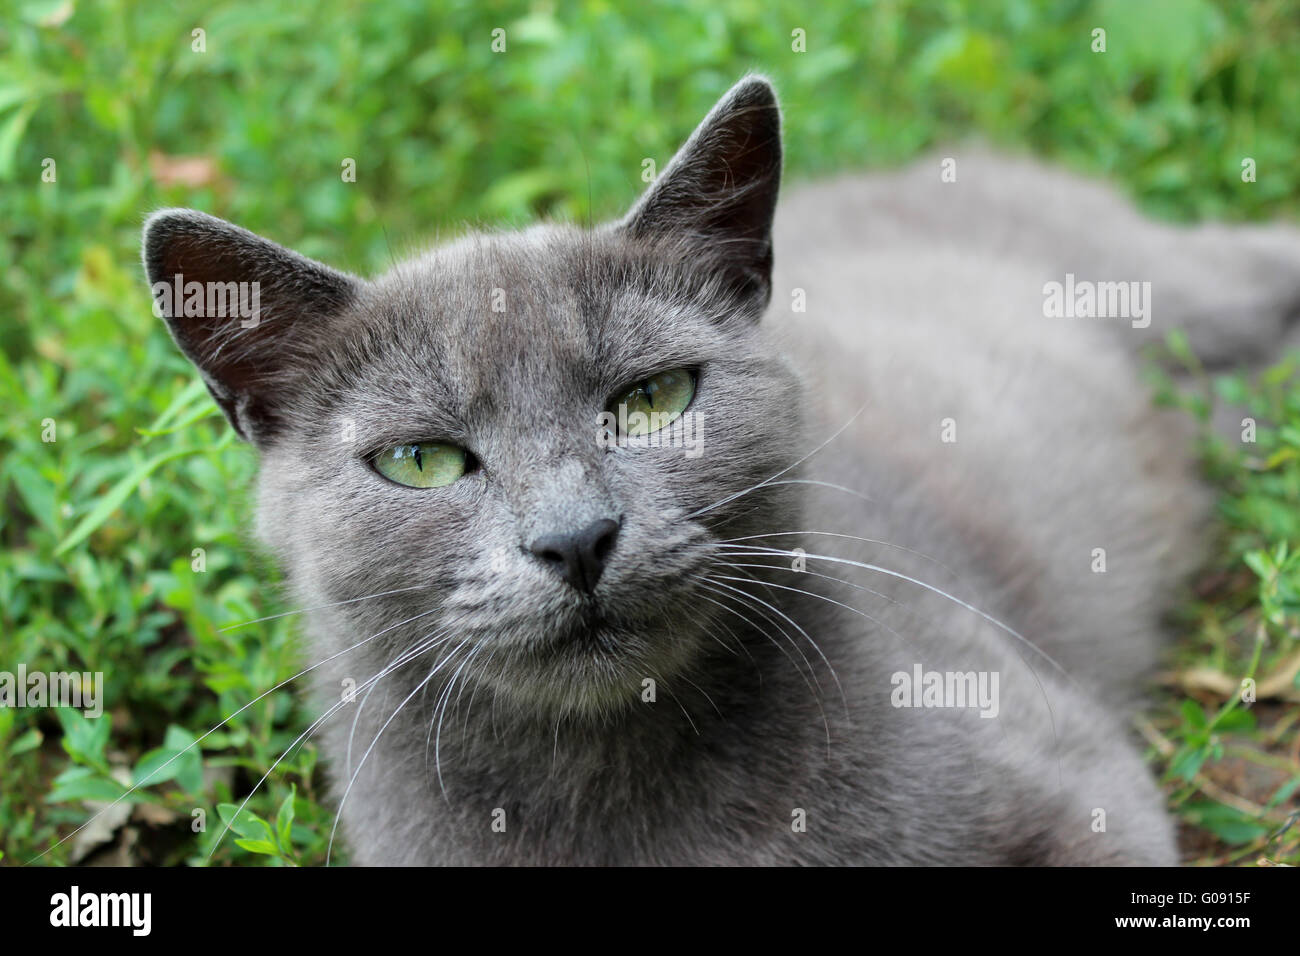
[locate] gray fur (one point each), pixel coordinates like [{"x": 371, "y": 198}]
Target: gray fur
[{"x": 924, "y": 303}]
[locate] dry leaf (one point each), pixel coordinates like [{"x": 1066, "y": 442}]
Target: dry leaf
[{"x": 189, "y": 171}]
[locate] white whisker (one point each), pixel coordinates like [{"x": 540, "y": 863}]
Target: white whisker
[
  {"x": 437, "y": 737},
  {"x": 807, "y": 636},
  {"x": 199, "y": 740},
  {"x": 432, "y": 641},
  {"x": 362, "y": 705},
  {"x": 339, "y": 814},
  {"x": 958, "y": 601},
  {"x": 815, "y": 691},
  {"x": 812, "y": 672},
  {"x": 769, "y": 480},
  {"x": 321, "y": 607}
]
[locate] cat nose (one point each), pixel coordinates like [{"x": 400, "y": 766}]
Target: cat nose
[{"x": 578, "y": 558}]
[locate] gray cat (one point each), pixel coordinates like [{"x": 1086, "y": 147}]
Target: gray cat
[{"x": 603, "y": 569}]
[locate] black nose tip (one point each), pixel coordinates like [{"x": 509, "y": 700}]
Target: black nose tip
[{"x": 578, "y": 558}]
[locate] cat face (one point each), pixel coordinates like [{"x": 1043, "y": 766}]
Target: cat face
[{"x": 454, "y": 435}]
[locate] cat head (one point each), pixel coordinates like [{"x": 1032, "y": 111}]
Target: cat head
[{"x": 530, "y": 440}]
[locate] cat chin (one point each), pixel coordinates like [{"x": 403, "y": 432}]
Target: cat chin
[{"x": 587, "y": 671}]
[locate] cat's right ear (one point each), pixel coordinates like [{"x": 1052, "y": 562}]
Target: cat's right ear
[
  {"x": 242, "y": 309},
  {"x": 715, "y": 201}
]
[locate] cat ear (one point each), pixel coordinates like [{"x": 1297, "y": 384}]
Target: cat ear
[
  {"x": 717, "y": 196},
  {"x": 241, "y": 308}
]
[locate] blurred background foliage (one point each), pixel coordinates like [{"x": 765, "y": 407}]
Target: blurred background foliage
[{"x": 99, "y": 529}]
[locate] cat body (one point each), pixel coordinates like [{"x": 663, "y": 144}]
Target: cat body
[{"x": 910, "y": 481}]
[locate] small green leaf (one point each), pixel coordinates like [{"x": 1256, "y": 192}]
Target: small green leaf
[
  {"x": 1194, "y": 714},
  {"x": 245, "y": 822},
  {"x": 177, "y": 759},
  {"x": 28, "y": 741},
  {"x": 84, "y": 738},
  {"x": 1187, "y": 764},
  {"x": 1237, "y": 719},
  {"x": 259, "y": 846},
  {"x": 11, "y": 133},
  {"x": 1283, "y": 792},
  {"x": 83, "y": 783},
  {"x": 284, "y": 821},
  {"x": 1229, "y": 825},
  {"x": 113, "y": 499}
]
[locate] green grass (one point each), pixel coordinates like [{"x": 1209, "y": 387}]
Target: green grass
[
  {"x": 1233, "y": 770},
  {"x": 100, "y": 527}
]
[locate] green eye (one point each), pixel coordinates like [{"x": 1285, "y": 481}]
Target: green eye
[
  {"x": 426, "y": 464},
  {"x": 654, "y": 403}
]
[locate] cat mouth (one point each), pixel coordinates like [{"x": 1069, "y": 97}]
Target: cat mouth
[
  {"x": 589, "y": 657},
  {"x": 586, "y": 627}
]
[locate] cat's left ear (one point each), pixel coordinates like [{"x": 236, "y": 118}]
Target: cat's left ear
[
  {"x": 249, "y": 313},
  {"x": 716, "y": 199}
]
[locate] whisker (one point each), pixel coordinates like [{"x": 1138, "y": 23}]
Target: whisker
[
  {"x": 329, "y": 849},
  {"x": 321, "y": 607},
  {"x": 705, "y": 693},
  {"x": 317, "y": 723},
  {"x": 822, "y": 484},
  {"x": 739, "y": 643},
  {"x": 469, "y": 709},
  {"x": 929, "y": 587},
  {"x": 852, "y": 537},
  {"x": 362, "y": 705},
  {"x": 199, "y": 740},
  {"x": 873, "y": 620},
  {"x": 437, "y": 737},
  {"x": 807, "y": 636},
  {"x": 712, "y": 635},
  {"x": 752, "y": 577},
  {"x": 767, "y": 481},
  {"x": 823, "y": 597},
  {"x": 970, "y": 607},
  {"x": 738, "y": 515},
  {"x": 706, "y": 582},
  {"x": 814, "y": 692},
  {"x": 680, "y": 706},
  {"x": 817, "y": 574},
  {"x": 845, "y": 581}
]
